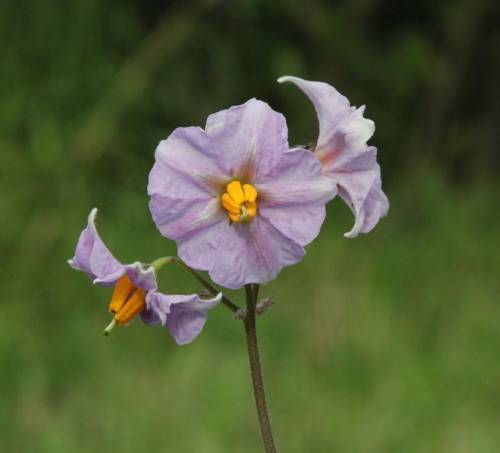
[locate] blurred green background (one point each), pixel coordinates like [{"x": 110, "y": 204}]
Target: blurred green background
[{"x": 386, "y": 343}]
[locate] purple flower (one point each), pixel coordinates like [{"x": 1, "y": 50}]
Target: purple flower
[
  {"x": 344, "y": 154},
  {"x": 136, "y": 289},
  {"x": 239, "y": 203}
]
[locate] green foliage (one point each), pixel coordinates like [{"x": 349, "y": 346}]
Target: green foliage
[{"x": 385, "y": 343}]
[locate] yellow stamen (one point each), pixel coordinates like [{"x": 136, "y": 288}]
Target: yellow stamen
[
  {"x": 127, "y": 301},
  {"x": 234, "y": 217},
  {"x": 250, "y": 192},
  {"x": 229, "y": 205},
  {"x": 123, "y": 289},
  {"x": 132, "y": 308},
  {"x": 235, "y": 190},
  {"x": 251, "y": 209},
  {"x": 240, "y": 202}
]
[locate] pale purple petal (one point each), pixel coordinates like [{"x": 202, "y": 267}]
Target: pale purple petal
[
  {"x": 298, "y": 178},
  {"x": 184, "y": 182},
  {"x": 294, "y": 195},
  {"x": 94, "y": 258},
  {"x": 253, "y": 253},
  {"x": 199, "y": 249},
  {"x": 184, "y": 316},
  {"x": 362, "y": 191},
  {"x": 348, "y": 143},
  {"x": 142, "y": 276},
  {"x": 301, "y": 222},
  {"x": 331, "y": 107},
  {"x": 249, "y": 138},
  {"x": 344, "y": 154}
]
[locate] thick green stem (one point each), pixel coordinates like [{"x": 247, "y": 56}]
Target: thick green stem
[{"x": 251, "y": 292}]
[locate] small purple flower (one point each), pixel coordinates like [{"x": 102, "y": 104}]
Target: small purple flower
[
  {"x": 344, "y": 154},
  {"x": 239, "y": 203},
  {"x": 136, "y": 289}
]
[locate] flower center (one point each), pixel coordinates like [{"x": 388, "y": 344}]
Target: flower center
[
  {"x": 127, "y": 301},
  {"x": 240, "y": 202}
]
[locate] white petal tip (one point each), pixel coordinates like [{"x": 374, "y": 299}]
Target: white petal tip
[
  {"x": 92, "y": 216},
  {"x": 354, "y": 232},
  {"x": 285, "y": 79}
]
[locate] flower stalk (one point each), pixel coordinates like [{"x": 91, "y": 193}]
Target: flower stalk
[
  {"x": 251, "y": 292},
  {"x": 211, "y": 289}
]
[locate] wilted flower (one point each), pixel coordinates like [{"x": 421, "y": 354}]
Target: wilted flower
[
  {"x": 238, "y": 202},
  {"x": 136, "y": 289},
  {"x": 344, "y": 154}
]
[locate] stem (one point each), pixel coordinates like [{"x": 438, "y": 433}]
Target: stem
[
  {"x": 160, "y": 262},
  {"x": 251, "y": 292},
  {"x": 212, "y": 289}
]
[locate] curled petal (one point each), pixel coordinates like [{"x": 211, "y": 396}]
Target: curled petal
[
  {"x": 344, "y": 154},
  {"x": 183, "y": 316},
  {"x": 331, "y": 107},
  {"x": 94, "y": 258},
  {"x": 252, "y": 253},
  {"x": 362, "y": 191},
  {"x": 348, "y": 143},
  {"x": 249, "y": 138}
]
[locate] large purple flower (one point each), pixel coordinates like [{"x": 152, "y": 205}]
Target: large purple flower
[
  {"x": 344, "y": 154},
  {"x": 238, "y": 202},
  {"x": 136, "y": 289}
]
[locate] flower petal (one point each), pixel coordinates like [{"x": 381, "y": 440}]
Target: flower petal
[
  {"x": 347, "y": 143},
  {"x": 249, "y": 138},
  {"x": 184, "y": 183},
  {"x": 345, "y": 155},
  {"x": 93, "y": 257},
  {"x": 184, "y": 316},
  {"x": 331, "y": 107},
  {"x": 297, "y": 178},
  {"x": 187, "y": 154},
  {"x": 362, "y": 191},
  {"x": 252, "y": 253},
  {"x": 293, "y": 197},
  {"x": 302, "y": 222},
  {"x": 142, "y": 276},
  {"x": 199, "y": 249}
]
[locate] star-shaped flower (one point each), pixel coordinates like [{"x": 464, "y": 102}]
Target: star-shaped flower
[{"x": 239, "y": 203}]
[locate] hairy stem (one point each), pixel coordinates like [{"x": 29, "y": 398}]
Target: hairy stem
[{"x": 251, "y": 292}]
